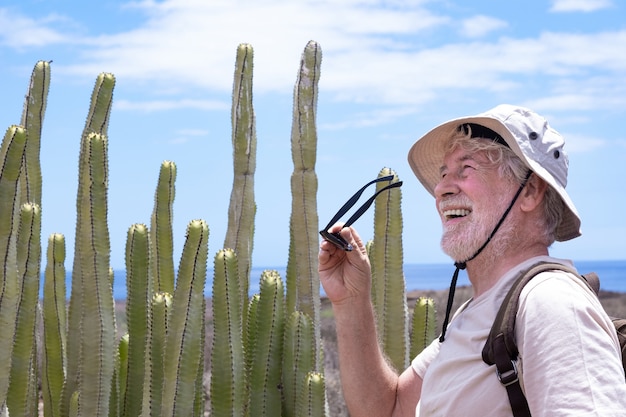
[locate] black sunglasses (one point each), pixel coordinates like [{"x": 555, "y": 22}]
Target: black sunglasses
[{"x": 336, "y": 238}]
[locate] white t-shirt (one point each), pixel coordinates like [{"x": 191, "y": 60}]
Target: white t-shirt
[{"x": 570, "y": 362}]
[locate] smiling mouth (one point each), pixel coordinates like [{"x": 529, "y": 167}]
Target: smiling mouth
[{"x": 455, "y": 214}]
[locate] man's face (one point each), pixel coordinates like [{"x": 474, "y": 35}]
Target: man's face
[{"x": 471, "y": 198}]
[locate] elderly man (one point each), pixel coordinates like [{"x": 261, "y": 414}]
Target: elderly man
[{"x": 499, "y": 184}]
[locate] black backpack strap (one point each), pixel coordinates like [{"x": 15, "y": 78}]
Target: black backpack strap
[{"x": 501, "y": 349}]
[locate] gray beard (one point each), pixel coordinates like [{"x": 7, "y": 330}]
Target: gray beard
[{"x": 462, "y": 241}]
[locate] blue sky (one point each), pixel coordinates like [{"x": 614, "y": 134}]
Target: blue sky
[{"x": 391, "y": 70}]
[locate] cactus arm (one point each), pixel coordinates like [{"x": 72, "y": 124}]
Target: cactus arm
[
  {"x": 424, "y": 325},
  {"x": 182, "y": 350},
  {"x": 139, "y": 294},
  {"x": 298, "y": 359},
  {"x": 387, "y": 256},
  {"x": 100, "y": 105},
  {"x": 97, "y": 121},
  {"x": 53, "y": 369},
  {"x": 313, "y": 399},
  {"x": 227, "y": 355},
  {"x": 242, "y": 208},
  {"x": 32, "y": 120},
  {"x": 304, "y": 220},
  {"x": 161, "y": 230},
  {"x": 122, "y": 373},
  {"x": 265, "y": 375},
  {"x": 98, "y": 315},
  {"x": 23, "y": 368},
  {"x": 11, "y": 154},
  {"x": 161, "y": 308}
]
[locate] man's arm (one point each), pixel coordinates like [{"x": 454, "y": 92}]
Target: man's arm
[{"x": 370, "y": 386}]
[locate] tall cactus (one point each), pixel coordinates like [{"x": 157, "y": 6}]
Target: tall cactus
[
  {"x": 54, "y": 336},
  {"x": 97, "y": 324},
  {"x": 161, "y": 234},
  {"x": 23, "y": 389},
  {"x": 388, "y": 277},
  {"x": 161, "y": 305},
  {"x": 183, "y": 349},
  {"x": 227, "y": 353},
  {"x": 265, "y": 375},
  {"x": 32, "y": 120},
  {"x": 11, "y": 154},
  {"x": 304, "y": 221},
  {"x": 298, "y": 360},
  {"x": 242, "y": 208},
  {"x": 96, "y": 123},
  {"x": 138, "y": 297}
]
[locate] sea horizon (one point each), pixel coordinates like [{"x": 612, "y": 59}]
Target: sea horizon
[{"x": 418, "y": 277}]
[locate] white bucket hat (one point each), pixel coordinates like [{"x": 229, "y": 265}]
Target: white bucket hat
[{"x": 527, "y": 134}]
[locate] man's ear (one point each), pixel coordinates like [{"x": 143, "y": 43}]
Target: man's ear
[{"x": 533, "y": 193}]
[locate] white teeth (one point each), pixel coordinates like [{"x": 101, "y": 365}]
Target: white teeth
[{"x": 456, "y": 213}]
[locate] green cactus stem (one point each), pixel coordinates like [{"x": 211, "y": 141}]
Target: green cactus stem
[
  {"x": 424, "y": 325},
  {"x": 161, "y": 308},
  {"x": 11, "y": 154},
  {"x": 227, "y": 387},
  {"x": 313, "y": 398},
  {"x": 22, "y": 397},
  {"x": 97, "y": 323},
  {"x": 53, "y": 306},
  {"x": 183, "y": 349},
  {"x": 242, "y": 208},
  {"x": 97, "y": 122},
  {"x": 298, "y": 359},
  {"x": 265, "y": 375},
  {"x": 122, "y": 373},
  {"x": 32, "y": 120},
  {"x": 161, "y": 233},
  {"x": 304, "y": 221},
  {"x": 138, "y": 297},
  {"x": 386, "y": 255}
]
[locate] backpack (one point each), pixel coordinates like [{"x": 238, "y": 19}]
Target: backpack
[{"x": 500, "y": 348}]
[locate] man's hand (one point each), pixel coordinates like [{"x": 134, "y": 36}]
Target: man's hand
[{"x": 344, "y": 275}]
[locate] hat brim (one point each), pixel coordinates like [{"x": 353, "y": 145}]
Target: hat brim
[{"x": 426, "y": 157}]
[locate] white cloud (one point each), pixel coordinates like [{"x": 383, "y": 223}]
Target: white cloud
[
  {"x": 580, "y": 5},
  {"x": 17, "y": 31},
  {"x": 480, "y": 26}
]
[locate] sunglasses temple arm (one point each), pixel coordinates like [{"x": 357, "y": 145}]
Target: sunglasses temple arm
[
  {"x": 368, "y": 203},
  {"x": 352, "y": 201}
]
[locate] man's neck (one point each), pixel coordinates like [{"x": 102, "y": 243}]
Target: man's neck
[{"x": 486, "y": 269}]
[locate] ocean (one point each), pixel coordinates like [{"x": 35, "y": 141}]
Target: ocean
[{"x": 420, "y": 277}]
